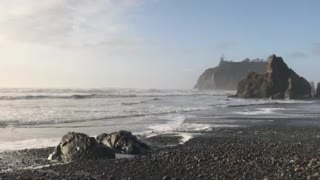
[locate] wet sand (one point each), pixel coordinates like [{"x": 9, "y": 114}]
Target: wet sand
[{"x": 278, "y": 150}]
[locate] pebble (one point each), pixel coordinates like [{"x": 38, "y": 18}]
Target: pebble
[{"x": 223, "y": 154}]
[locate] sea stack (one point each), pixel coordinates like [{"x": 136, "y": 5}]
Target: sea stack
[{"x": 279, "y": 82}]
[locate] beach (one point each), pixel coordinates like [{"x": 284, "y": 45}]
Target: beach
[{"x": 277, "y": 150}]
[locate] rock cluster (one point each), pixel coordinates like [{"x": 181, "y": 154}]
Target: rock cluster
[
  {"x": 279, "y": 82},
  {"x": 123, "y": 142},
  {"x": 74, "y": 146}
]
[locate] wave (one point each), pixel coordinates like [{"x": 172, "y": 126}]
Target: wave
[
  {"x": 261, "y": 111},
  {"x": 30, "y": 143},
  {"x": 131, "y": 103},
  {"x": 27, "y": 94},
  {"x": 139, "y": 102},
  {"x": 252, "y": 104},
  {"x": 133, "y": 115},
  {"x": 268, "y": 102},
  {"x": 34, "y": 97},
  {"x": 91, "y": 96}
]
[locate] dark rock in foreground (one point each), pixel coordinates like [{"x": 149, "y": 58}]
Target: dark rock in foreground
[
  {"x": 123, "y": 142},
  {"x": 279, "y": 82},
  {"x": 228, "y": 74},
  {"x": 75, "y": 146}
]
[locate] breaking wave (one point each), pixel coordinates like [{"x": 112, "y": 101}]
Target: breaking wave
[
  {"x": 261, "y": 111},
  {"x": 33, "y": 94}
]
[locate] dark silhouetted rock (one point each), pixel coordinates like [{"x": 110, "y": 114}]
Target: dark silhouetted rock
[
  {"x": 278, "y": 82},
  {"x": 255, "y": 86},
  {"x": 313, "y": 89},
  {"x": 227, "y": 75},
  {"x": 74, "y": 146},
  {"x": 317, "y": 95},
  {"x": 123, "y": 142}
]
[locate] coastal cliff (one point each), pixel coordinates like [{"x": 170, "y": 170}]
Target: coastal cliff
[{"x": 227, "y": 74}]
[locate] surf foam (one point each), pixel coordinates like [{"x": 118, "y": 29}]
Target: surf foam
[
  {"x": 29, "y": 144},
  {"x": 260, "y": 111}
]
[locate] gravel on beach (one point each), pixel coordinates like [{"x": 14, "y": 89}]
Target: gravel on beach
[{"x": 272, "y": 152}]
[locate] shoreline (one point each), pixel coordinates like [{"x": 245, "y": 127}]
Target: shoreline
[{"x": 274, "y": 151}]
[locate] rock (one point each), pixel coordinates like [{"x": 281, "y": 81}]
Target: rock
[
  {"x": 255, "y": 86},
  {"x": 313, "y": 89},
  {"x": 123, "y": 142},
  {"x": 227, "y": 74},
  {"x": 74, "y": 146},
  {"x": 278, "y": 82},
  {"x": 317, "y": 95}
]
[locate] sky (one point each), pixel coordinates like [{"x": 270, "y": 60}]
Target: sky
[{"x": 149, "y": 43}]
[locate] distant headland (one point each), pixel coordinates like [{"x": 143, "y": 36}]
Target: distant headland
[{"x": 228, "y": 73}]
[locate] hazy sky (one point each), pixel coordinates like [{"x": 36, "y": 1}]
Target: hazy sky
[{"x": 149, "y": 43}]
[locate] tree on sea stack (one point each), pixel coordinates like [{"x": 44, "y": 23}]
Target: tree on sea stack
[{"x": 279, "y": 82}]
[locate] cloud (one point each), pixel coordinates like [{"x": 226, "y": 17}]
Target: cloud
[{"x": 68, "y": 22}]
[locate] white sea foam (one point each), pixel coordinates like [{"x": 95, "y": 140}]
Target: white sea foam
[
  {"x": 261, "y": 111},
  {"x": 29, "y": 144},
  {"x": 173, "y": 123},
  {"x": 194, "y": 127},
  {"x": 185, "y": 137}
]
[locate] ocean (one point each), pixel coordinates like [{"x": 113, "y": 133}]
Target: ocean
[{"x": 36, "y": 118}]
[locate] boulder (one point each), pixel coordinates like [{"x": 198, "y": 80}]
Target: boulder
[
  {"x": 75, "y": 146},
  {"x": 278, "y": 82},
  {"x": 123, "y": 142}
]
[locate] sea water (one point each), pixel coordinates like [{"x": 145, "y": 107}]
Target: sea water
[{"x": 34, "y": 118}]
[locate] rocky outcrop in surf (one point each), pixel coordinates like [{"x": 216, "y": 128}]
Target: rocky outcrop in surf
[
  {"x": 317, "y": 94},
  {"x": 123, "y": 142},
  {"x": 74, "y": 146},
  {"x": 227, "y": 74},
  {"x": 279, "y": 82},
  {"x": 313, "y": 89}
]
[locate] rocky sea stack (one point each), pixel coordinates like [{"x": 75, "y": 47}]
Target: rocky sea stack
[
  {"x": 279, "y": 82},
  {"x": 227, "y": 74}
]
